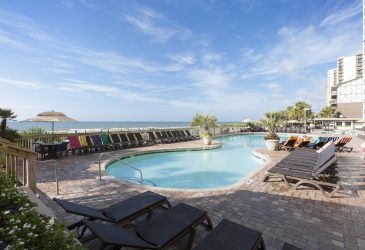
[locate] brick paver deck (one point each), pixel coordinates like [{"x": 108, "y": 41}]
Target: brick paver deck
[{"x": 305, "y": 218}]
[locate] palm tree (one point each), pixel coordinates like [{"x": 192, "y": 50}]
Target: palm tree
[
  {"x": 296, "y": 112},
  {"x": 5, "y": 115},
  {"x": 328, "y": 112},
  {"x": 272, "y": 120}
]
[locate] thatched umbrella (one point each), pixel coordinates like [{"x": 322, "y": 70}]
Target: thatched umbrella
[
  {"x": 247, "y": 120},
  {"x": 51, "y": 116}
]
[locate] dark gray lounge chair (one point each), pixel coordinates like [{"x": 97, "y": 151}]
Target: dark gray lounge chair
[
  {"x": 156, "y": 233},
  {"x": 153, "y": 138},
  {"x": 122, "y": 212},
  {"x": 140, "y": 140},
  {"x": 306, "y": 171},
  {"x": 228, "y": 235},
  {"x": 161, "y": 138},
  {"x": 124, "y": 139}
]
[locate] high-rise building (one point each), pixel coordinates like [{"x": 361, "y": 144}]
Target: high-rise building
[{"x": 345, "y": 86}]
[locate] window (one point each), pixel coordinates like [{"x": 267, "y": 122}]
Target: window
[
  {"x": 348, "y": 124},
  {"x": 338, "y": 123}
]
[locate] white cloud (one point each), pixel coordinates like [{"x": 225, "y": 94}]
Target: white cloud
[
  {"x": 343, "y": 14},
  {"x": 301, "y": 48},
  {"x": 156, "y": 25},
  {"x": 273, "y": 87},
  {"x": 183, "y": 58},
  {"x": 22, "y": 84}
]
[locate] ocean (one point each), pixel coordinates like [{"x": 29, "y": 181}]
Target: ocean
[{"x": 91, "y": 126}]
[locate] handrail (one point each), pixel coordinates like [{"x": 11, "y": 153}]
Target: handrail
[{"x": 117, "y": 159}]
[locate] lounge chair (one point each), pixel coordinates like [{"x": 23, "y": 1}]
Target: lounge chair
[
  {"x": 132, "y": 140},
  {"x": 122, "y": 212},
  {"x": 124, "y": 139},
  {"x": 86, "y": 143},
  {"x": 156, "y": 233},
  {"x": 289, "y": 143},
  {"x": 318, "y": 143},
  {"x": 303, "y": 142},
  {"x": 153, "y": 138},
  {"x": 341, "y": 145},
  {"x": 75, "y": 144},
  {"x": 178, "y": 135},
  {"x": 182, "y": 133},
  {"x": 116, "y": 141},
  {"x": 161, "y": 138},
  {"x": 306, "y": 168},
  {"x": 140, "y": 140},
  {"x": 191, "y": 136},
  {"x": 106, "y": 141},
  {"x": 228, "y": 235},
  {"x": 166, "y": 137},
  {"x": 62, "y": 149},
  {"x": 172, "y": 136}
]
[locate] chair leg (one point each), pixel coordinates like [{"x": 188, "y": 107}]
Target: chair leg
[{"x": 191, "y": 238}]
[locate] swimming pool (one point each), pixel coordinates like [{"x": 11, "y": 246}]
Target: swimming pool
[{"x": 195, "y": 169}]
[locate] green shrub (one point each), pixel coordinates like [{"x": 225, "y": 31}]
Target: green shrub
[
  {"x": 10, "y": 134},
  {"x": 34, "y": 131},
  {"x": 22, "y": 227}
]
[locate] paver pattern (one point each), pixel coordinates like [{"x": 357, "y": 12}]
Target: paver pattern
[{"x": 305, "y": 218}]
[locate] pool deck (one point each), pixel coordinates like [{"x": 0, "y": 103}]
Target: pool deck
[{"x": 305, "y": 218}]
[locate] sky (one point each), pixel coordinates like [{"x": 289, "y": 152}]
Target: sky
[{"x": 167, "y": 60}]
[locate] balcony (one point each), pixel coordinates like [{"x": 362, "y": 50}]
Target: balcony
[{"x": 333, "y": 101}]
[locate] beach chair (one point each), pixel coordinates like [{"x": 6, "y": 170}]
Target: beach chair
[
  {"x": 122, "y": 212},
  {"x": 182, "y": 136},
  {"x": 341, "y": 145},
  {"x": 172, "y": 136},
  {"x": 166, "y": 137},
  {"x": 115, "y": 140},
  {"x": 106, "y": 141},
  {"x": 157, "y": 233},
  {"x": 152, "y": 138},
  {"x": 86, "y": 143},
  {"x": 228, "y": 235},
  {"x": 132, "y": 140},
  {"x": 191, "y": 136},
  {"x": 62, "y": 149},
  {"x": 186, "y": 138},
  {"x": 140, "y": 140},
  {"x": 75, "y": 144},
  {"x": 125, "y": 141},
  {"x": 289, "y": 143},
  {"x": 302, "y": 142},
  {"x": 305, "y": 167},
  {"x": 98, "y": 143},
  {"x": 318, "y": 143},
  {"x": 161, "y": 138}
]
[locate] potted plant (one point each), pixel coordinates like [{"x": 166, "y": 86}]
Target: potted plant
[
  {"x": 206, "y": 122},
  {"x": 272, "y": 120}
]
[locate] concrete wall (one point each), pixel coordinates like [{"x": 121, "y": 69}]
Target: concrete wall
[{"x": 353, "y": 109}]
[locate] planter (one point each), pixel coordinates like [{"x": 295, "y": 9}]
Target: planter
[
  {"x": 207, "y": 140},
  {"x": 272, "y": 145}
]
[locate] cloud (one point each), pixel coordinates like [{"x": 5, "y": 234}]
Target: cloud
[
  {"x": 183, "y": 58},
  {"x": 74, "y": 85},
  {"x": 343, "y": 14},
  {"x": 301, "y": 48},
  {"x": 156, "y": 25},
  {"x": 272, "y": 87},
  {"x": 22, "y": 84}
]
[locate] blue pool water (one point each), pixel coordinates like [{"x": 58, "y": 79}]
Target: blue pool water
[{"x": 195, "y": 169}]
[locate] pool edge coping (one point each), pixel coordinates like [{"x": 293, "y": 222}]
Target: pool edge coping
[{"x": 244, "y": 180}]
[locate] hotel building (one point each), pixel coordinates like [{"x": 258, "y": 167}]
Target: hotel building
[{"x": 345, "y": 87}]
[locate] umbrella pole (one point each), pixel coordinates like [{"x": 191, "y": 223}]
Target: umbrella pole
[{"x": 52, "y": 127}]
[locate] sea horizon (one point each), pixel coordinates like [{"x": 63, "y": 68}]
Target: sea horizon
[{"x": 99, "y": 125}]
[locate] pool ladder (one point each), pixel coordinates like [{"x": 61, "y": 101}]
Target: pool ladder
[{"x": 139, "y": 180}]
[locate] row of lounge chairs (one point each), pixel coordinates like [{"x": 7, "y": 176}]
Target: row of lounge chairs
[
  {"x": 294, "y": 142},
  {"x": 86, "y": 143},
  {"x": 109, "y": 225},
  {"x": 306, "y": 166}
]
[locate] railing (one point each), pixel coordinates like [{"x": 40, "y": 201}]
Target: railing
[
  {"x": 141, "y": 179},
  {"x": 13, "y": 157}
]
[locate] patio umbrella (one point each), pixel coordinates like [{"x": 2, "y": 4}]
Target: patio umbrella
[
  {"x": 51, "y": 116},
  {"x": 293, "y": 121},
  {"x": 247, "y": 120}
]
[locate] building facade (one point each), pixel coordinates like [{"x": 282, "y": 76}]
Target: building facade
[{"x": 345, "y": 87}]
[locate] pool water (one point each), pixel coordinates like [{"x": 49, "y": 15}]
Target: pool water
[{"x": 195, "y": 169}]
